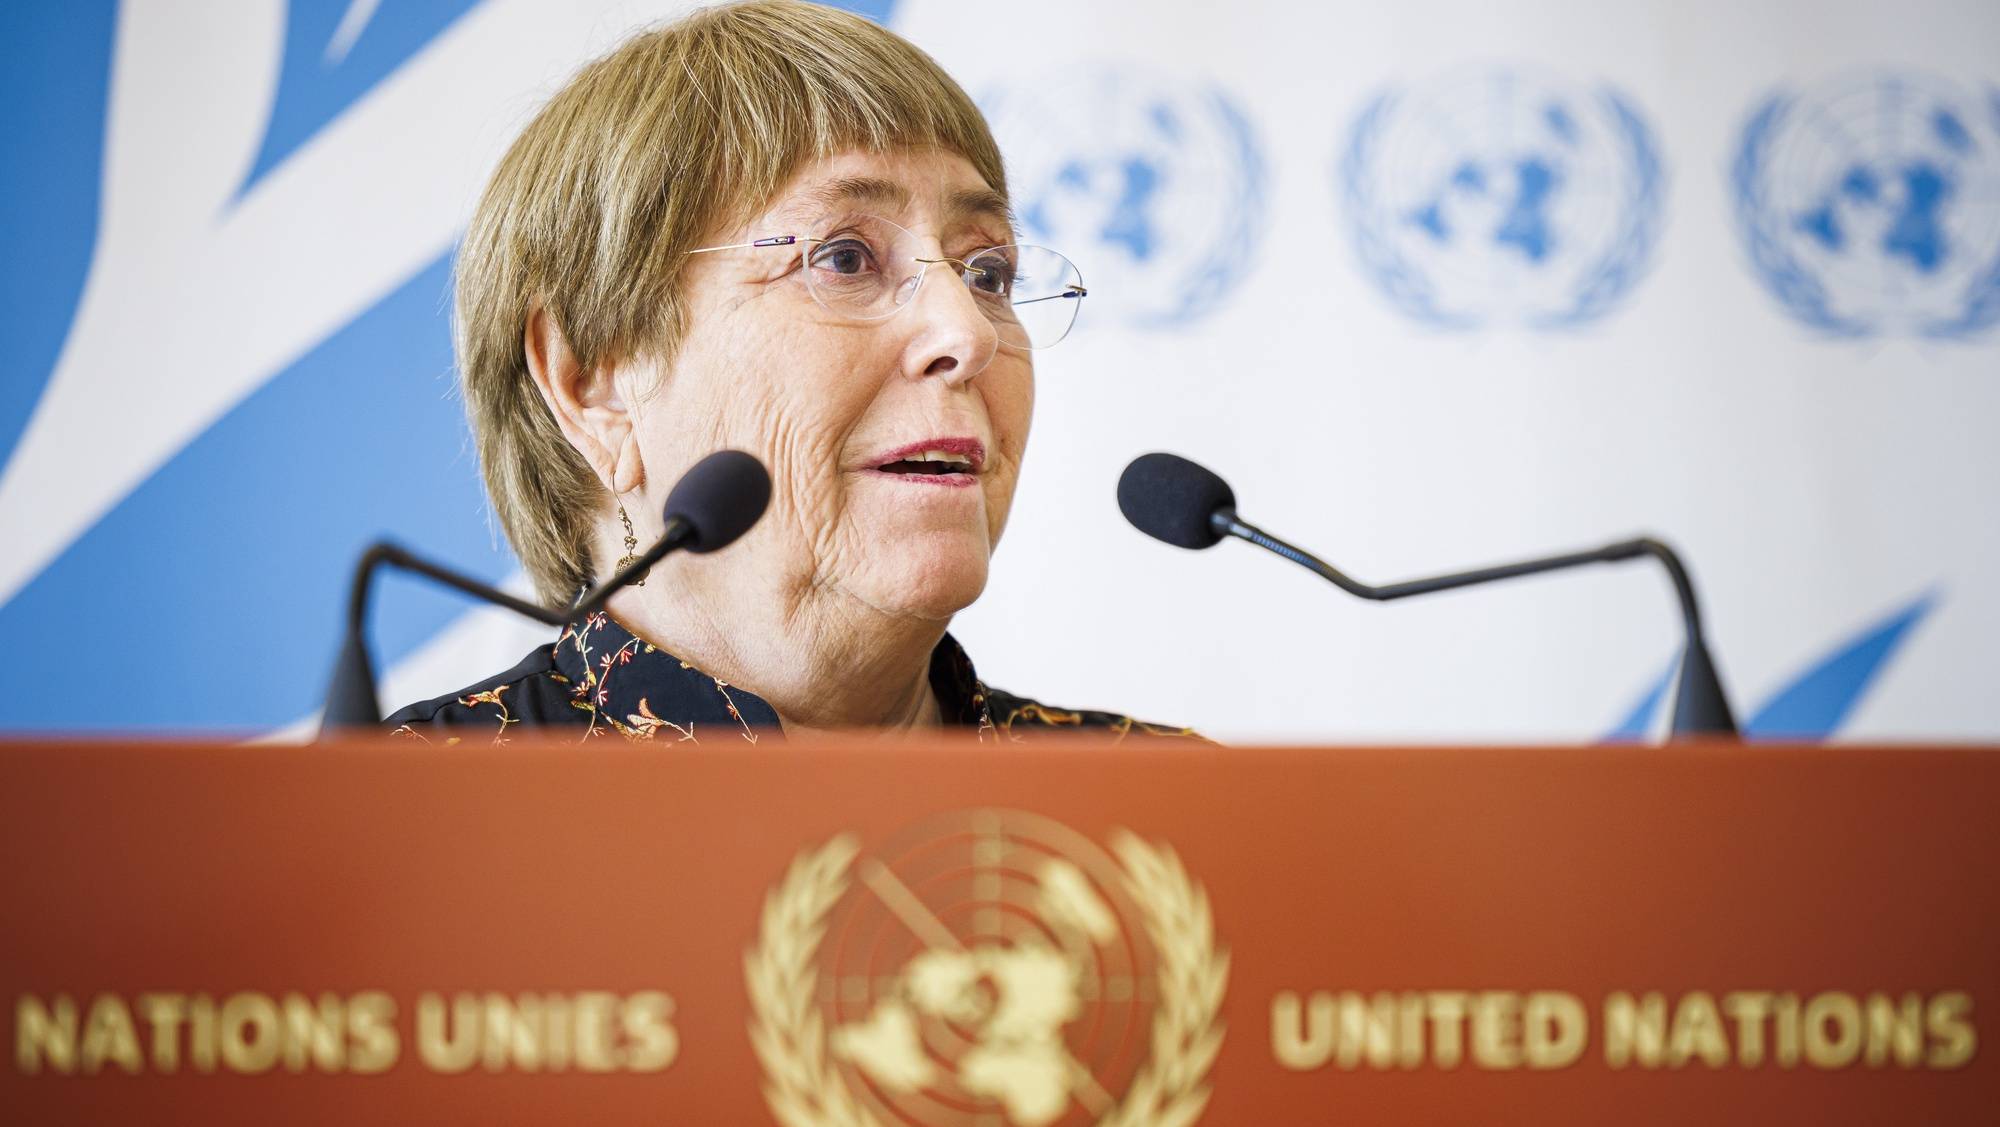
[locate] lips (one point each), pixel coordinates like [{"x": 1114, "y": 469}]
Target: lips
[
  {"x": 934, "y": 457},
  {"x": 943, "y": 461}
]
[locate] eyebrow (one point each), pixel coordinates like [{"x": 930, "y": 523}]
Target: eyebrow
[
  {"x": 857, "y": 189},
  {"x": 964, "y": 203},
  {"x": 982, "y": 203}
]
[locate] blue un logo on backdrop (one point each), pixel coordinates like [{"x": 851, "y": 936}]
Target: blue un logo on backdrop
[
  {"x": 1153, "y": 184},
  {"x": 1871, "y": 205},
  {"x": 1502, "y": 196}
]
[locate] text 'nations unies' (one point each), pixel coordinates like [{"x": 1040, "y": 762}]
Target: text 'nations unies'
[{"x": 251, "y": 1032}]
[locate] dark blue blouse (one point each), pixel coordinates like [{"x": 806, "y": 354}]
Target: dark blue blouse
[{"x": 600, "y": 678}]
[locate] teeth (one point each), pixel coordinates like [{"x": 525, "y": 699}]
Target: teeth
[{"x": 942, "y": 456}]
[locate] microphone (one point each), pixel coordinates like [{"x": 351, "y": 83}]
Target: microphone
[
  {"x": 1187, "y": 505},
  {"x": 713, "y": 504},
  {"x": 1170, "y": 498}
]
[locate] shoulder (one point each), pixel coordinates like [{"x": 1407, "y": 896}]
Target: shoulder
[
  {"x": 1017, "y": 717},
  {"x": 534, "y": 691},
  {"x": 969, "y": 700}
]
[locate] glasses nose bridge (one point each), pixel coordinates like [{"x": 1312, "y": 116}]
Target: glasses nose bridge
[
  {"x": 927, "y": 263},
  {"x": 914, "y": 279}
]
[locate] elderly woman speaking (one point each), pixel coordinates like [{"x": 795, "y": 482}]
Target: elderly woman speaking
[{"x": 778, "y": 228}]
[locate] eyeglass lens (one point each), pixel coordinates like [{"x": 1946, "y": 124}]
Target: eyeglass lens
[{"x": 866, "y": 268}]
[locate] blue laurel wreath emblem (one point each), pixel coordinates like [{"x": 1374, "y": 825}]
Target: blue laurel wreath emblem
[
  {"x": 1153, "y": 183},
  {"x": 1796, "y": 287},
  {"x": 1547, "y": 222},
  {"x": 1871, "y": 206}
]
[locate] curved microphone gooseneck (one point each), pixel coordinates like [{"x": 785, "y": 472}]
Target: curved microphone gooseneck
[
  {"x": 712, "y": 505},
  {"x": 1187, "y": 505}
]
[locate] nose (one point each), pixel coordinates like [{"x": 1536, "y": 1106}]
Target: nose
[{"x": 955, "y": 340}]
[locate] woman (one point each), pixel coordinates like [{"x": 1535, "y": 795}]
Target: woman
[{"x": 778, "y": 228}]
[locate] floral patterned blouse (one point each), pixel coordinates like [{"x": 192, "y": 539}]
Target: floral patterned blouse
[{"x": 600, "y": 678}]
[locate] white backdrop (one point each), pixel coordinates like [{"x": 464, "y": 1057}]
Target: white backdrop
[{"x": 1434, "y": 284}]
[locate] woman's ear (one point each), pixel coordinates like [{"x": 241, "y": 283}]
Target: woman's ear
[{"x": 589, "y": 406}]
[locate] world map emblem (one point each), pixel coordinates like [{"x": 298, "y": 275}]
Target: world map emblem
[
  {"x": 1870, "y": 205},
  {"x": 1502, "y": 196},
  {"x": 989, "y": 967},
  {"x": 1153, "y": 183}
]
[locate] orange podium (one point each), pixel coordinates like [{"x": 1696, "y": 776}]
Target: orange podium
[{"x": 914, "y": 933}]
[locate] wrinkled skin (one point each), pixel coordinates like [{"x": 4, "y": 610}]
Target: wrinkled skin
[{"x": 830, "y": 606}]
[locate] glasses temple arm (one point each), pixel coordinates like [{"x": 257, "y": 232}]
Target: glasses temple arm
[
  {"x": 773, "y": 241},
  {"x": 1072, "y": 291}
]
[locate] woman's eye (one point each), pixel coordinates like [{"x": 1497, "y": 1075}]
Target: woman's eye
[
  {"x": 843, "y": 256},
  {"x": 991, "y": 276}
]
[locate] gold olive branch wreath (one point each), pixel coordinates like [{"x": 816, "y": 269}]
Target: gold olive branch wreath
[{"x": 788, "y": 1031}]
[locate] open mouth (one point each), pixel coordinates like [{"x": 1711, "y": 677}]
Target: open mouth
[{"x": 934, "y": 462}]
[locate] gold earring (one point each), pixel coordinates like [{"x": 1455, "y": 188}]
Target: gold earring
[{"x": 631, "y": 555}]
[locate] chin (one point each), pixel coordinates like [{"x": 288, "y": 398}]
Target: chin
[{"x": 933, "y": 580}]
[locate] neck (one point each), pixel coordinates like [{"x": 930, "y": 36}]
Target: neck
[{"x": 820, "y": 659}]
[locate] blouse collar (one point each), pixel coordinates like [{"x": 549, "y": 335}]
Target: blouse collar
[{"x": 629, "y": 685}]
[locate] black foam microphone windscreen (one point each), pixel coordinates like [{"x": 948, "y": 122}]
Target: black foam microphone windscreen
[
  {"x": 720, "y": 498},
  {"x": 1170, "y": 498}
]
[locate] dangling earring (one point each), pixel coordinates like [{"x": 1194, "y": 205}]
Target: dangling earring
[{"x": 631, "y": 555}]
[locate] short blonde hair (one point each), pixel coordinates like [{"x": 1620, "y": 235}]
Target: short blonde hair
[{"x": 679, "y": 131}]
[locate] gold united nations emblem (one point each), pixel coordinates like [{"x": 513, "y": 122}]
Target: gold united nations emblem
[{"x": 989, "y": 967}]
